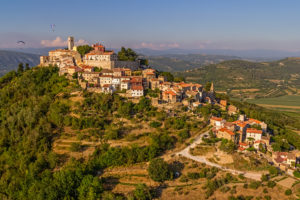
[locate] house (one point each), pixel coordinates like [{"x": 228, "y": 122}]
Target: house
[
  {"x": 243, "y": 146},
  {"x": 127, "y": 72},
  {"x": 193, "y": 95},
  {"x": 170, "y": 96},
  {"x": 258, "y": 143},
  {"x": 154, "y": 83},
  {"x": 285, "y": 159},
  {"x": 87, "y": 68},
  {"x": 148, "y": 71},
  {"x": 217, "y": 122},
  {"x": 226, "y": 134},
  {"x": 125, "y": 85},
  {"x": 89, "y": 76},
  {"x": 116, "y": 82},
  {"x": 253, "y": 134},
  {"x": 232, "y": 110},
  {"x": 107, "y": 72},
  {"x": 223, "y": 104},
  {"x": 196, "y": 104},
  {"x": 137, "y": 91},
  {"x": 258, "y": 123},
  {"x": 107, "y": 89},
  {"x": 73, "y": 69},
  {"x": 118, "y": 72},
  {"x": 229, "y": 125},
  {"x": 105, "y": 79}
]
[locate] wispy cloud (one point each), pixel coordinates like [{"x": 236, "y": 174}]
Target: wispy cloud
[
  {"x": 59, "y": 42},
  {"x": 157, "y": 46}
]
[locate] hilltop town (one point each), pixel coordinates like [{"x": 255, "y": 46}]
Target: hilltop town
[
  {"x": 101, "y": 71},
  {"x": 129, "y": 105}
]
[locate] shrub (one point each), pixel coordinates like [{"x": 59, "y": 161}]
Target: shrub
[
  {"x": 288, "y": 192},
  {"x": 254, "y": 184},
  {"x": 159, "y": 170},
  {"x": 271, "y": 184},
  {"x": 155, "y": 124},
  {"x": 75, "y": 147},
  {"x": 183, "y": 178},
  {"x": 142, "y": 192},
  {"x": 297, "y": 174},
  {"x": 193, "y": 175}
]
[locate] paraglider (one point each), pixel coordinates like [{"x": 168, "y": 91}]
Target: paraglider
[
  {"x": 52, "y": 26},
  {"x": 21, "y": 42}
]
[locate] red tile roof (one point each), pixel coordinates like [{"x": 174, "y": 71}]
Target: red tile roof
[
  {"x": 253, "y": 130},
  {"x": 216, "y": 118},
  {"x": 226, "y": 131},
  {"x": 137, "y": 87}
]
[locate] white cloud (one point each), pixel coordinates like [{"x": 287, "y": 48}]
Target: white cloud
[
  {"x": 158, "y": 46},
  {"x": 59, "y": 42}
]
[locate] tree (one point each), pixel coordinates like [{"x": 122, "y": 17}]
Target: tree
[
  {"x": 75, "y": 75},
  {"x": 84, "y": 49},
  {"x": 127, "y": 54},
  {"x": 168, "y": 76},
  {"x": 20, "y": 68},
  {"x": 90, "y": 188},
  {"x": 142, "y": 192},
  {"x": 27, "y": 66},
  {"x": 159, "y": 170},
  {"x": 207, "y": 86},
  {"x": 144, "y": 62},
  {"x": 288, "y": 192}
]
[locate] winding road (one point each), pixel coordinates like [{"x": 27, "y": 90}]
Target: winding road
[{"x": 186, "y": 153}]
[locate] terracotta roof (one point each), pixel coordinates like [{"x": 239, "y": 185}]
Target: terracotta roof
[
  {"x": 126, "y": 81},
  {"x": 253, "y": 130},
  {"x": 106, "y": 71},
  {"x": 216, "y": 118},
  {"x": 226, "y": 131},
  {"x": 170, "y": 92},
  {"x": 100, "y": 53},
  {"x": 254, "y": 120},
  {"x": 86, "y": 67},
  {"x": 243, "y": 144},
  {"x": 241, "y": 149},
  {"x": 150, "y": 73},
  {"x": 137, "y": 87},
  {"x": 242, "y": 124}
]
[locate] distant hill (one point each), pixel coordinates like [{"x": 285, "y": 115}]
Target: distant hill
[
  {"x": 178, "y": 62},
  {"x": 9, "y": 60},
  {"x": 244, "y": 79}
]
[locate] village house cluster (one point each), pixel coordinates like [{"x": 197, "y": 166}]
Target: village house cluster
[
  {"x": 98, "y": 57},
  {"x": 249, "y": 133},
  {"x": 245, "y": 132}
]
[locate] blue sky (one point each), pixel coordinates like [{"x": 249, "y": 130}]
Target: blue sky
[{"x": 156, "y": 24}]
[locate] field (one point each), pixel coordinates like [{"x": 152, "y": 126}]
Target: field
[{"x": 287, "y": 103}]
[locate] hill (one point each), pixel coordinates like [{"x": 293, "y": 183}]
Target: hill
[
  {"x": 58, "y": 141},
  {"x": 244, "y": 79},
  {"x": 183, "y": 62},
  {"x": 9, "y": 60}
]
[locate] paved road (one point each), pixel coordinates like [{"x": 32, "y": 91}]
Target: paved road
[{"x": 186, "y": 153}]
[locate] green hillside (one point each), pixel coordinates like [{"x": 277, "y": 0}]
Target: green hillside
[
  {"x": 244, "y": 79},
  {"x": 179, "y": 62},
  {"x": 9, "y": 60}
]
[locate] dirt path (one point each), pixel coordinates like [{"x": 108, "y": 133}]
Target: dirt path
[{"x": 186, "y": 153}]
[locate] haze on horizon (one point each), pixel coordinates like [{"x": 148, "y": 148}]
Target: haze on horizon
[{"x": 193, "y": 24}]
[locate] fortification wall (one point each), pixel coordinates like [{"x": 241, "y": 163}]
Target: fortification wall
[
  {"x": 100, "y": 64},
  {"x": 133, "y": 65}
]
